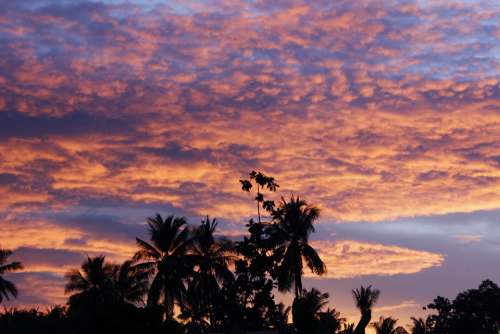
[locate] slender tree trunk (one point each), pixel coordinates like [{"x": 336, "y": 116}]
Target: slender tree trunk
[
  {"x": 298, "y": 283},
  {"x": 169, "y": 306},
  {"x": 363, "y": 322},
  {"x": 258, "y": 203}
]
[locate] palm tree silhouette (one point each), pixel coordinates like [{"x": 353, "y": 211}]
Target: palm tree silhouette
[
  {"x": 7, "y": 288},
  {"x": 94, "y": 283},
  {"x": 385, "y": 325},
  {"x": 306, "y": 309},
  {"x": 194, "y": 311},
  {"x": 101, "y": 281},
  {"x": 293, "y": 223},
  {"x": 419, "y": 326},
  {"x": 365, "y": 298},
  {"x": 169, "y": 259},
  {"x": 130, "y": 283},
  {"x": 212, "y": 257},
  {"x": 330, "y": 321}
]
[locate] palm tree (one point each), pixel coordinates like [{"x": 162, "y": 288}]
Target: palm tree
[
  {"x": 212, "y": 258},
  {"x": 100, "y": 281},
  {"x": 419, "y": 326},
  {"x": 7, "y": 288},
  {"x": 93, "y": 284},
  {"x": 385, "y": 325},
  {"x": 130, "y": 283},
  {"x": 330, "y": 321},
  {"x": 365, "y": 298},
  {"x": 168, "y": 259},
  {"x": 306, "y": 309},
  {"x": 293, "y": 223},
  {"x": 194, "y": 311}
]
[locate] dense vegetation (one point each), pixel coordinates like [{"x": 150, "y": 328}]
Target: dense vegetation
[{"x": 186, "y": 279}]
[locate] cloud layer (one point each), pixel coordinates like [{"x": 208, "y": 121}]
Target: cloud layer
[
  {"x": 113, "y": 110},
  {"x": 349, "y": 258},
  {"x": 373, "y": 110}
]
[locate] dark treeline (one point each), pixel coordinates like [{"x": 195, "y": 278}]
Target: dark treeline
[{"x": 188, "y": 280}]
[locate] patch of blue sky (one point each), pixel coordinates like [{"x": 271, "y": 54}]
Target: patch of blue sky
[{"x": 480, "y": 222}]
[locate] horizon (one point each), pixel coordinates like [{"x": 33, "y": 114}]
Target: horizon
[{"x": 385, "y": 115}]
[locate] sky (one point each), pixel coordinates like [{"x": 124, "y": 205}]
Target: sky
[{"x": 384, "y": 114}]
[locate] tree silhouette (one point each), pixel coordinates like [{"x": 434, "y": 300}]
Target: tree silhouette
[
  {"x": 305, "y": 309},
  {"x": 99, "y": 281},
  {"x": 262, "y": 181},
  {"x": 385, "y": 325},
  {"x": 23, "y": 321},
  {"x": 330, "y": 321},
  {"x": 7, "y": 288},
  {"x": 94, "y": 299},
  {"x": 472, "y": 311},
  {"x": 365, "y": 298},
  {"x": 292, "y": 224},
  {"x": 247, "y": 302},
  {"x": 307, "y": 315},
  {"x": 168, "y": 259},
  {"x": 130, "y": 283},
  {"x": 194, "y": 311},
  {"x": 419, "y": 326},
  {"x": 93, "y": 284},
  {"x": 212, "y": 257}
]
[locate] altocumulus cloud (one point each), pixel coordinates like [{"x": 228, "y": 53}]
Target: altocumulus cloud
[
  {"x": 349, "y": 258},
  {"x": 372, "y": 110}
]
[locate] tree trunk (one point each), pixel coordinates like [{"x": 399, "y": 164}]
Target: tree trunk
[{"x": 363, "y": 322}]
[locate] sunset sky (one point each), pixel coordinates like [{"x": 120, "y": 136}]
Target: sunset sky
[{"x": 385, "y": 114}]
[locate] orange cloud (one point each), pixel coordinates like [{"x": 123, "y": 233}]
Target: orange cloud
[{"x": 348, "y": 258}]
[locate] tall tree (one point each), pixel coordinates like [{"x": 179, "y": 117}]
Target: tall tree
[
  {"x": 130, "y": 283},
  {"x": 168, "y": 259},
  {"x": 7, "y": 288},
  {"x": 194, "y": 311},
  {"x": 92, "y": 284},
  {"x": 309, "y": 317},
  {"x": 213, "y": 256},
  {"x": 365, "y": 298},
  {"x": 306, "y": 309},
  {"x": 293, "y": 222},
  {"x": 247, "y": 302},
  {"x": 263, "y": 182}
]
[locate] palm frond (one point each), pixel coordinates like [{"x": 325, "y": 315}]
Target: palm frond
[
  {"x": 146, "y": 251},
  {"x": 7, "y": 289},
  {"x": 314, "y": 262},
  {"x": 11, "y": 267}
]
